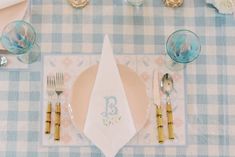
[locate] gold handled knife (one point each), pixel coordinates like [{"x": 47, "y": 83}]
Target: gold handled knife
[{"x": 157, "y": 102}]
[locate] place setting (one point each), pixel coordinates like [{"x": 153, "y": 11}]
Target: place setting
[
  {"x": 108, "y": 100},
  {"x": 112, "y": 101},
  {"x": 117, "y": 78}
]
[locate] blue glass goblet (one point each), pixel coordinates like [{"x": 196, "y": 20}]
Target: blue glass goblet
[
  {"x": 19, "y": 38},
  {"x": 183, "y": 46}
]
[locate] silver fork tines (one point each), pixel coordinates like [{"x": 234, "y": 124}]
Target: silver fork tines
[
  {"x": 59, "y": 84},
  {"x": 50, "y": 86}
]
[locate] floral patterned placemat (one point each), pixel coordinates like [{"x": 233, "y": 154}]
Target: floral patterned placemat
[{"x": 72, "y": 65}]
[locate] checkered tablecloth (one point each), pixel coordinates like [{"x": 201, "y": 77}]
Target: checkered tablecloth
[{"x": 210, "y": 81}]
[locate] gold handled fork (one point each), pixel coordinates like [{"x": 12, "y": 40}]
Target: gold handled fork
[
  {"x": 50, "y": 93},
  {"x": 59, "y": 88}
]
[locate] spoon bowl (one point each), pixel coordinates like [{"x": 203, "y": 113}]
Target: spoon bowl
[{"x": 167, "y": 84}]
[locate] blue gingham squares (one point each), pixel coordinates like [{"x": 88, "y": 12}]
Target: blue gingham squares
[{"x": 209, "y": 80}]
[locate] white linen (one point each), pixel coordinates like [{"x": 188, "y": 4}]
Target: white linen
[
  {"x": 109, "y": 124},
  {"x": 8, "y": 3}
]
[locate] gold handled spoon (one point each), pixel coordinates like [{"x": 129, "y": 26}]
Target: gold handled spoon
[{"x": 167, "y": 87}]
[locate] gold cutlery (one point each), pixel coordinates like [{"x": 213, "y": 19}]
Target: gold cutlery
[
  {"x": 50, "y": 93},
  {"x": 167, "y": 88},
  {"x": 157, "y": 102},
  {"x": 59, "y": 88}
]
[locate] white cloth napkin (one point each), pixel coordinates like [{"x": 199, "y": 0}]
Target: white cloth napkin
[
  {"x": 109, "y": 124},
  {"x": 8, "y": 3}
]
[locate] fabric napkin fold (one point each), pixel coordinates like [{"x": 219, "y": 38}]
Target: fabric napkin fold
[
  {"x": 8, "y": 3},
  {"x": 109, "y": 124}
]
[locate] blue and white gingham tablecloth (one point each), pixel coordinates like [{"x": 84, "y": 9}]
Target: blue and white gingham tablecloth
[{"x": 210, "y": 82}]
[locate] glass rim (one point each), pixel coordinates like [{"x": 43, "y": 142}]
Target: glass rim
[
  {"x": 189, "y": 31},
  {"x": 20, "y": 21}
]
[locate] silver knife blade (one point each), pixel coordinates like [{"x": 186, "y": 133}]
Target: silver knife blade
[{"x": 156, "y": 89}]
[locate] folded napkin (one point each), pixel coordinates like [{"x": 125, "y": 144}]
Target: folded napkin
[
  {"x": 109, "y": 124},
  {"x": 8, "y": 3},
  {"x": 223, "y": 6}
]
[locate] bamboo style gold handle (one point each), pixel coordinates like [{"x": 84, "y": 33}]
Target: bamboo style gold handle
[
  {"x": 160, "y": 124},
  {"x": 57, "y": 121},
  {"x": 48, "y": 119},
  {"x": 170, "y": 121}
]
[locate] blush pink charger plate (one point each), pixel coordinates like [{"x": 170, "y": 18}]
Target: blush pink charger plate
[
  {"x": 133, "y": 85},
  {"x": 12, "y": 13}
]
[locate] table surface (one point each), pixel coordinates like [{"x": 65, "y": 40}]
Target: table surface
[{"x": 210, "y": 82}]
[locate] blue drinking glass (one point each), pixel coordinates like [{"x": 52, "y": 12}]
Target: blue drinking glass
[
  {"x": 19, "y": 38},
  {"x": 183, "y": 46}
]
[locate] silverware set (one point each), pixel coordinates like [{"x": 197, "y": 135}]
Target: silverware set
[
  {"x": 55, "y": 87},
  {"x": 166, "y": 86}
]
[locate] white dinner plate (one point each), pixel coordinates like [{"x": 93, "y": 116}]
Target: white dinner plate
[
  {"x": 133, "y": 85},
  {"x": 12, "y": 13}
]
